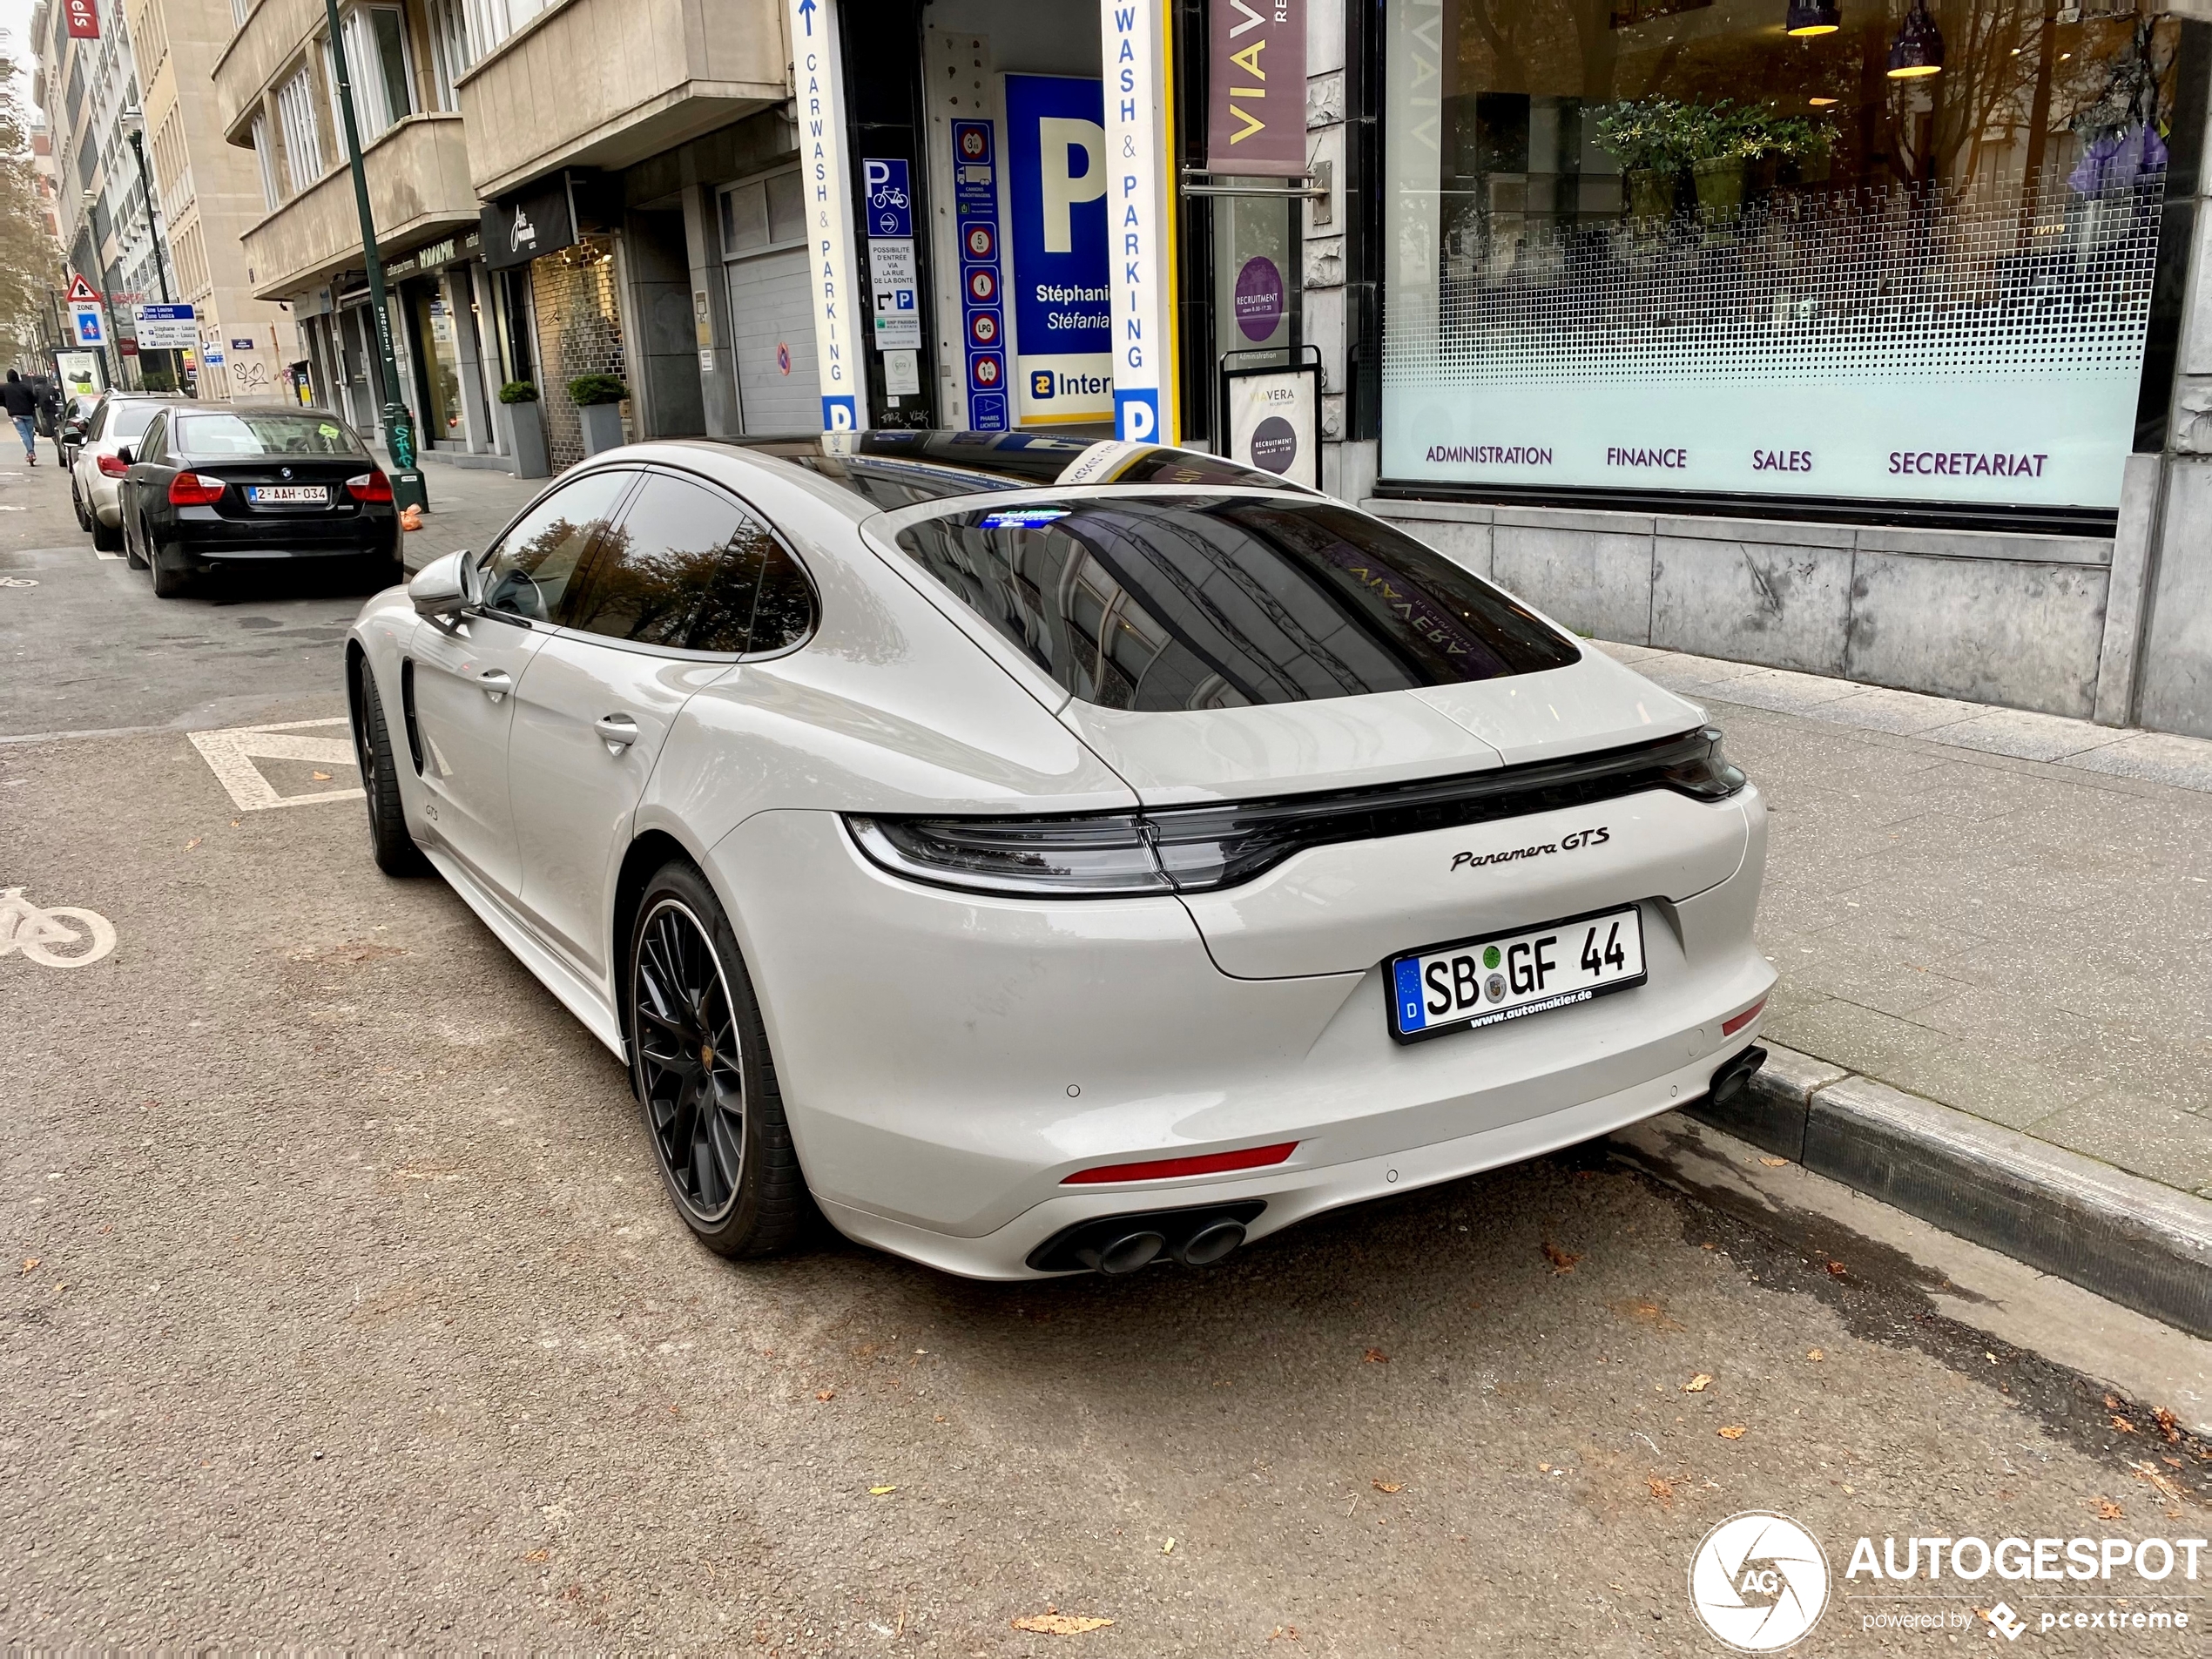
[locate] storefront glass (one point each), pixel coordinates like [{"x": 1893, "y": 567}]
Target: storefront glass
[
  {"x": 579, "y": 331},
  {"x": 438, "y": 352},
  {"x": 1905, "y": 253}
]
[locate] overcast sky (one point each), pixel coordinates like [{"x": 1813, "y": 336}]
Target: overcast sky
[{"x": 15, "y": 17}]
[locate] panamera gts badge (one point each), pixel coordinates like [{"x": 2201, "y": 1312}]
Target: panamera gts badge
[{"x": 1572, "y": 842}]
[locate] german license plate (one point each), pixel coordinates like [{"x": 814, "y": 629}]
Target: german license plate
[
  {"x": 1509, "y": 976},
  {"x": 288, "y": 495}
]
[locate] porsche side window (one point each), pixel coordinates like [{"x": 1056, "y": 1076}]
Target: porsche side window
[
  {"x": 528, "y": 574},
  {"x": 688, "y": 567}
]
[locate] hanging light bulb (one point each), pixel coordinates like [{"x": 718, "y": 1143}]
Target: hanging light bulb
[
  {"x": 1918, "y": 49},
  {"x": 1809, "y": 17}
]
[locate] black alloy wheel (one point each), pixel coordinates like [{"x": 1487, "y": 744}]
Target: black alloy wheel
[
  {"x": 700, "y": 1067},
  {"x": 396, "y": 852}
]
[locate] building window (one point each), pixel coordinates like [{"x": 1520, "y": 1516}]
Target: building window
[
  {"x": 762, "y": 215},
  {"x": 490, "y": 22},
  {"x": 302, "y": 143},
  {"x": 450, "y": 54},
  {"x": 272, "y": 191},
  {"x": 380, "y": 66},
  {"x": 1665, "y": 246},
  {"x": 240, "y": 11}
]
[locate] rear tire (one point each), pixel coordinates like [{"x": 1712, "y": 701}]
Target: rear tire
[
  {"x": 396, "y": 852},
  {"x": 131, "y": 555},
  {"x": 715, "y": 1116},
  {"x": 103, "y": 539},
  {"x": 76, "y": 504},
  {"x": 171, "y": 578}
]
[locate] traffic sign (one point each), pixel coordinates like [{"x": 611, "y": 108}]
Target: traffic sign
[
  {"x": 86, "y": 323},
  {"x": 80, "y": 291}
]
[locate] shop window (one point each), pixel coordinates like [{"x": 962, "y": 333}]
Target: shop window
[{"x": 1826, "y": 248}]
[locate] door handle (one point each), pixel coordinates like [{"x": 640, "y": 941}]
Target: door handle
[
  {"x": 618, "y": 731},
  {"x": 496, "y": 683}
]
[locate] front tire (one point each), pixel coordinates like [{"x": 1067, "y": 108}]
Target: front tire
[
  {"x": 76, "y": 504},
  {"x": 396, "y": 852},
  {"x": 132, "y": 554},
  {"x": 699, "y": 1063}
]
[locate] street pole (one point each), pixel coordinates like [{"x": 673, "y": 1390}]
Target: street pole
[
  {"x": 153, "y": 233},
  {"x": 399, "y": 426}
]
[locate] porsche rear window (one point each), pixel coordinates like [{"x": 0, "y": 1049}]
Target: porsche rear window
[{"x": 1163, "y": 603}]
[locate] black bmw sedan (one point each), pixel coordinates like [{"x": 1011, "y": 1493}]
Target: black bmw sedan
[{"x": 219, "y": 489}]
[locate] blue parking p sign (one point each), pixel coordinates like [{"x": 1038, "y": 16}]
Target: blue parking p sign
[{"x": 887, "y": 204}]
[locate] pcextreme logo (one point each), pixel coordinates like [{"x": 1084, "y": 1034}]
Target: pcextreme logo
[{"x": 1759, "y": 1583}]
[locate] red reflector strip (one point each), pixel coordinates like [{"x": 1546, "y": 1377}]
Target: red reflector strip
[
  {"x": 1253, "y": 1158},
  {"x": 1729, "y": 1028}
]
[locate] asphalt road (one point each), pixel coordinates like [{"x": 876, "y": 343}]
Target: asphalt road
[{"x": 342, "y": 1307}]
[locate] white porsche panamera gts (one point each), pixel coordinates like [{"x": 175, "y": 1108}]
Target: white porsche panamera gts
[{"x": 1048, "y": 856}]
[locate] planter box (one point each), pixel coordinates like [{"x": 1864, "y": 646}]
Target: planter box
[
  {"x": 602, "y": 427},
  {"x": 527, "y": 421}
]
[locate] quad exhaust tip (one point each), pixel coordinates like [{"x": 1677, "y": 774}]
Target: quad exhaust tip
[{"x": 1118, "y": 1245}]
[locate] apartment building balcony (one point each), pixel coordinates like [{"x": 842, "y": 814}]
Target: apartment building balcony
[
  {"x": 418, "y": 187},
  {"x": 607, "y": 83}
]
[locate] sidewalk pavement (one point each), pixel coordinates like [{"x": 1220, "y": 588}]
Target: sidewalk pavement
[{"x": 2007, "y": 915}]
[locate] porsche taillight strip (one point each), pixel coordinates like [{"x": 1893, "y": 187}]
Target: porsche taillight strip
[{"x": 1729, "y": 1027}]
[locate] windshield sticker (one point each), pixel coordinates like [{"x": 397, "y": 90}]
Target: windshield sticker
[
  {"x": 1022, "y": 518},
  {"x": 327, "y": 430}
]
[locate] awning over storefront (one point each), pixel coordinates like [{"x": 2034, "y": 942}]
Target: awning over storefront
[{"x": 529, "y": 224}]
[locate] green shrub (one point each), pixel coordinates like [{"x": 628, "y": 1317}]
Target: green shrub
[
  {"x": 518, "y": 392},
  {"x": 588, "y": 390}
]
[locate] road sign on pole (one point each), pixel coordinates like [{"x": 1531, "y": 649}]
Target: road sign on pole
[{"x": 80, "y": 291}]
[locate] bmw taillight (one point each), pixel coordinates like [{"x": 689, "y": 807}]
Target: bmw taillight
[
  {"x": 369, "y": 486},
  {"x": 111, "y": 466},
  {"x": 194, "y": 489}
]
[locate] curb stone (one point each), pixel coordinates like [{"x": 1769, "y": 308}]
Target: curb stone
[{"x": 2130, "y": 1240}]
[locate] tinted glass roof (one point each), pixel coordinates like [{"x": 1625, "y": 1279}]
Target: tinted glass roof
[{"x": 893, "y": 469}]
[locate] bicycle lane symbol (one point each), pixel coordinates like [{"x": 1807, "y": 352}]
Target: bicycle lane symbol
[{"x": 65, "y": 936}]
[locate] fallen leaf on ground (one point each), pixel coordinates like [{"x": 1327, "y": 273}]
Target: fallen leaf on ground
[
  {"x": 1388, "y": 1485},
  {"x": 1815, "y": 1354},
  {"x": 195, "y": 841},
  {"x": 1282, "y": 1630},
  {"x": 1543, "y": 1468},
  {"x": 1645, "y": 1311},
  {"x": 2167, "y": 1425},
  {"x": 1734, "y": 1431},
  {"x": 1774, "y": 1163},
  {"x": 1698, "y": 1383},
  {"x": 880, "y": 1492},
  {"x": 30, "y": 1266},
  {"x": 1836, "y": 1268},
  {"x": 2112, "y": 1402},
  {"x": 2145, "y": 1472},
  {"x": 539, "y": 1555},
  {"x": 2172, "y": 1462},
  {"x": 320, "y": 776},
  {"x": 825, "y": 1393},
  {"x": 1059, "y": 1624},
  {"x": 2107, "y": 1510},
  {"x": 1661, "y": 1490},
  {"x": 1562, "y": 1261},
  {"x": 1377, "y": 1357},
  {"x": 1167, "y": 1548},
  {"x": 2124, "y": 1426}
]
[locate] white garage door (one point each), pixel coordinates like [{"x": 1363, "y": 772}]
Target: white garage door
[{"x": 771, "y": 312}]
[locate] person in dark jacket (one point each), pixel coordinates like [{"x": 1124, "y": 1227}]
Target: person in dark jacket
[{"x": 22, "y": 404}]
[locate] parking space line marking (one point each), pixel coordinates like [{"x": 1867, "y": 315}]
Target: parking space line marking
[
  {"x": 112, "y": 558},
  {"x": 231, "y": 751}
]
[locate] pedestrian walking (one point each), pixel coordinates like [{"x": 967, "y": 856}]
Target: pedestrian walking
[{"x": 22, "y": 404}]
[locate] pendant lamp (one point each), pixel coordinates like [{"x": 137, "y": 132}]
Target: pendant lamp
[{"x": 1918, "y": 49}]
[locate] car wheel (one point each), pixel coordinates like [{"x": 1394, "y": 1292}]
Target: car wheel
[
  {"x": 699, "y": 1063},
  {"x": 170, "y": 577},
  {"x": 77, "y": 505},
  {"x": 132, "y": 554},
  {"x": 396, "y": 852},
  {"x": 103, "y": 539}
]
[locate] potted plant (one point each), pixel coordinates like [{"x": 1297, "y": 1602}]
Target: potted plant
[
  {"x": 1647, "y": 137},
  {"x": 598, "y": 399},
  {"x": 526, "y": 428},
  {"x": 1724, "y": 139}
]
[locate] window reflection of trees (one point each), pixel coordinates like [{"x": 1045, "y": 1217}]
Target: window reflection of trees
[{"x": 687, "y": 570}]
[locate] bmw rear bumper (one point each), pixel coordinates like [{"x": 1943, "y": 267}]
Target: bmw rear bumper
[{"x": 947, "y": 1061}]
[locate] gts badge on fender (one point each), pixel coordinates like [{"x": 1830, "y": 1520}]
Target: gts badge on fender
[{"x": 1567, "y": 843}]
